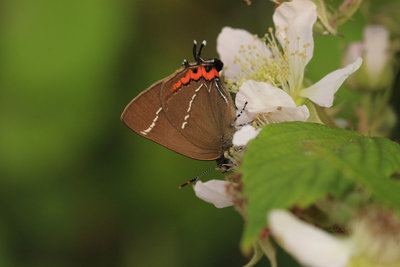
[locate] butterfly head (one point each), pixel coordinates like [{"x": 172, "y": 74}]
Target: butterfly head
[
  {"x": 218, "y": 64},
  {"x": 213, "y": 62}
]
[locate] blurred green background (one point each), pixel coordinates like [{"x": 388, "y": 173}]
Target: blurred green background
[{"x": 78, "y": 188}]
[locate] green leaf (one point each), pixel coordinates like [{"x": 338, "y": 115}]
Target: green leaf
[{"x": 296, "y": 163}]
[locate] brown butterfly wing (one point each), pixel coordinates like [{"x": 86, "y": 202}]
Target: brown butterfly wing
[
  {"x": 200, "y": 113},
  {"x": 145, "y": 116},
  {"x": 224, "y": 116}
]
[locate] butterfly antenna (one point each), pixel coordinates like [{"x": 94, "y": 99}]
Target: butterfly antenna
[
  {"x": 195, "y": 178},
  {"x": 195, "y": 50},
  {"x": 203, "y": 44}
]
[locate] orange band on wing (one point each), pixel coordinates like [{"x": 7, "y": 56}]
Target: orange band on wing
[
  {"x": 186, "y": 79},
  {"x": 190, "y": 75},
  {"x": 195, "y": 76}
]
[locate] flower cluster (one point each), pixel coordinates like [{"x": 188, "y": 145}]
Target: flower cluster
[{"x": 267, "y": 74}]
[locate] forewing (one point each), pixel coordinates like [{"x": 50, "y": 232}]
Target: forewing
[
  {"x": 196, "y": 111},
  {"x": 145, "y": 116}
]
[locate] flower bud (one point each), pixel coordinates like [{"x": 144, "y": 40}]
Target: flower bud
[{"x": 376, "y": 73}]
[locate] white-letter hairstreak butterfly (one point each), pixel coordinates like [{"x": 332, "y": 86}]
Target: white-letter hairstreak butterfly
[{"x": 189, "y": 112}]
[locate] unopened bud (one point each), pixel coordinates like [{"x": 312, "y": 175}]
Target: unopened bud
[{"x": 376, "y": 73}]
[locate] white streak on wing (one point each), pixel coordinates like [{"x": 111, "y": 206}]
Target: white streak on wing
[
  {"x": 195, "y": 94},
  {"x": 198, "y": 89},
  {"x": 145, "y": 132},
  {"x": 220, "y": 92},
  {"x": 190, "y": 106},
  {"x": 208, "y": 88}
]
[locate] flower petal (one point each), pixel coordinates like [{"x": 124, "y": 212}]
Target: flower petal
[
  {"x": 308, "y": 244},
  {"x": 214, "y": 192},
  {"x": 294, "y": 22},
  {"x": 376, "y": 43},
  {"x": 261, "y": 97},
  {"x": 244, "y": 135},
  {"x": 234, "y": 45},
  {"x": 300, "y": 113},
  {"x": 323, "y": 91},
  {"x": 353, "y": 51}
]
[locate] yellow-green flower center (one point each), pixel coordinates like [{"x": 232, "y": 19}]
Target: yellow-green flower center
[{"x": 278, "y": 66}]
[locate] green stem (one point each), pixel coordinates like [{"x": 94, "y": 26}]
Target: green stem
[
  {"x": 366, "y": 106},
  {"x": 378, "y": 112},
  {"x": 325, "y": 118},
  {"x": 374, "y": 105}
]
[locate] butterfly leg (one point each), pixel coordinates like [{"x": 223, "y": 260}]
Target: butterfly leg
[
  {"x": 240, "y": 114},
  {"x": 225, "y": 164}
]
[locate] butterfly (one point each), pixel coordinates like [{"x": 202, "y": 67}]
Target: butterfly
[{"x": 189, "y": 112}]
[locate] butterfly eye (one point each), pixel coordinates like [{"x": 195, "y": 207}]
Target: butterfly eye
[{"x": 218, "y": 64}]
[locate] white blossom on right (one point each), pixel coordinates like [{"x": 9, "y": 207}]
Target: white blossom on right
[
  {"x": 310, "y": 245},
  {"x": 373, "y": 241},
  {"x": 256, "y": 69}
]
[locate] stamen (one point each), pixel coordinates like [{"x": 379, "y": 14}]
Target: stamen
[{"x": 282, "y": 68}]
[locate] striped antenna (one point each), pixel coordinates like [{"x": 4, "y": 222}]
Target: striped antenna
[{"x": 195, "y": 178}]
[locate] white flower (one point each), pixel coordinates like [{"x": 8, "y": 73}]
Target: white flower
[
  {"x": 214, "y": 192},
  {"x": 374, "y": 240},
  {"x": 308, "y": 244},
  {"x": 231, "y": 42},
  {"x": 275, "y": 104},
  {"x": 323, "y": 91},
  {"x": 244, "y": 135},
  {"x": 374, "y": 49},
  {"x": 280, "y": 65}
]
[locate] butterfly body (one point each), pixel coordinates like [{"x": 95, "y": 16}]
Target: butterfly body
[{"x": 189, "y": 112}]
